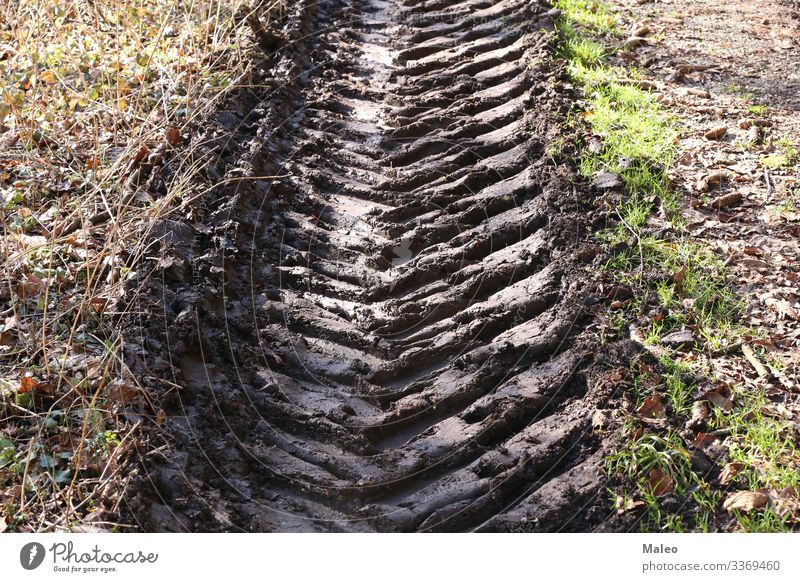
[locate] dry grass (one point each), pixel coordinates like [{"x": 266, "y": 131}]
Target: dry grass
[{"x": 92, "y": 92}]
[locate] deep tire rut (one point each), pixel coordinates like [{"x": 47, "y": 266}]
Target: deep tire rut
[{"x": 389, "y": 336}]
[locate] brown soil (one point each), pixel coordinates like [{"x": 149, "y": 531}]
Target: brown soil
[{"x": 386, "y": 332}]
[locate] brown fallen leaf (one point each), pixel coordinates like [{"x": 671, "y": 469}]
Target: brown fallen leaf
[
  {"x": 715, "y": 133},
  {"x": 704, "y": 438},
  {"x": 30, "y": 286},
  {"x": 711, "y": 180},
  {"x": 31, "y": 384},
  {"x": 726, "y": 200},
  {"x": 717, "y": 399},
  {"x": 122, "y": 391},
  {"x": 6, "y": 335},
  {"x": 729, "y": 472},
  {"x": 172, "y": 135},
  {"x": 660, "y": 483},
  {"x": 623, "y": 504},
  {"x": 782, "y": 308},
  {"x": 679, "y": 278},
  {"x": 699, "y": 93},
  {"x": 745, "y": 501},
  {"x": 787, "y": 502},
  {"x": 652, "y": 407}
]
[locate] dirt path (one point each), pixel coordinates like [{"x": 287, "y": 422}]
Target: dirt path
[{"x": 386, "y": 337}]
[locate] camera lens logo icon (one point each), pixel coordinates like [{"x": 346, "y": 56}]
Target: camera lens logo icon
[{"x": 31, "y": 555}]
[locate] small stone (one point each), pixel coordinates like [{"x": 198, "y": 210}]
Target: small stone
[
  {"x": 678, "y": 338},
  {"x": 634, "y": 42},
  {"x": 642, "y": 31},
  {"x": 607, "y": 181},
  {"x": 599, "y": 420},
  {"x": 716, "y": 133}
]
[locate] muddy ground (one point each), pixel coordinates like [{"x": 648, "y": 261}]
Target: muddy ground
[{"x": 373, "y": 315}]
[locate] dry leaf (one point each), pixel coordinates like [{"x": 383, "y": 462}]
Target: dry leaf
[
  {"x": 9, "y": 325},
  {"x": 726, "y": 200},
  {"x": 122, "y": 391},
  {"x": 717, "y": 398},
  {"x": 679, "y": 277},
  {"x": 659, "y": 482},
  {"x": 31, "y": 384},
  {"x": 30, "y": 287},
  {"x": 787, "y": 502},
  {"x": 745, "y": 501},
  {"x": 729, "y": 472},
  {"x": 623, "y": 504},
  {"x": 782, "y": 308},
  {"x": 715, "y": 133},
  {"x": 652, "y": 406},
  {"x": 704, "y": 438},
  {"x": 172, "y": 135}
]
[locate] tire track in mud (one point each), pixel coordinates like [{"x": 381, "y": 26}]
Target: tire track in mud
[{"x": 389, "y": 336}]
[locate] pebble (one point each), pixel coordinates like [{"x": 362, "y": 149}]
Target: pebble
[
  {"x": 678, "y": 338},
  {"x": 606, "y": 181},
  {"x": 635, "y": 41}
]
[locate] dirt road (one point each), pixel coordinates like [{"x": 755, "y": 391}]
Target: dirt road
[{"x": 385, "y": 334}]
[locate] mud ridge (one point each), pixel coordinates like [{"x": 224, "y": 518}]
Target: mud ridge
[{"x": 387, "y": 333}]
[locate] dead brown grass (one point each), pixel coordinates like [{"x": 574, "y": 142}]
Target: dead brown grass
[{"x": 91, "y": 92}]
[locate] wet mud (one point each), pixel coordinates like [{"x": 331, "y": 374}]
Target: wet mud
[{"x": 374, "y": 317}]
